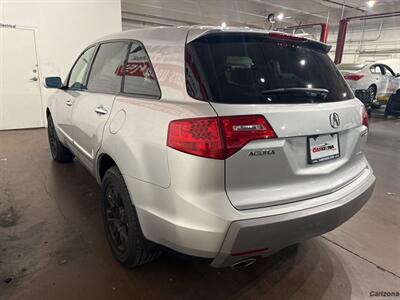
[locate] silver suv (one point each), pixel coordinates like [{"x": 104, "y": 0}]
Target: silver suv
[{"x": 224, "y": 144}]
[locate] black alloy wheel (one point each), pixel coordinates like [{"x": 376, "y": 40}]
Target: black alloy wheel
[{"x": 116, "y": 221}]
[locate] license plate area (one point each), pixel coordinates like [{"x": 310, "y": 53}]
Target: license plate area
[{"x": 323, "y": 147}]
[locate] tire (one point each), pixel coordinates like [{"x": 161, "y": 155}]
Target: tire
[
  {"x": 58, "y": 151},
  {"x": 121, "y": 223},
  {"x": 372, "y": 94}
]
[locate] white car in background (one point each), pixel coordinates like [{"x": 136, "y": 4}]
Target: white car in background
[{"x": 378, "y": 79}]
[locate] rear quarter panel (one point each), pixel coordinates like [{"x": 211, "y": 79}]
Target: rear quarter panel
[{"x": 138, "y": 145}]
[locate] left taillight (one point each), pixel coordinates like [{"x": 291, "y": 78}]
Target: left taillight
[
  {"x": 354, "y": 77},
  {"x": 200, "y": 136},
  {"x": 217, "y": 137},
  {"x": 364, "y": 117}
]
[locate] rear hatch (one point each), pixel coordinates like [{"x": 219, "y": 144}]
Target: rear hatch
[{"x": 294, "y": 85}]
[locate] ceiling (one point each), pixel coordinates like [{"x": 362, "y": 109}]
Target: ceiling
[{"x": 252, "y": 13}]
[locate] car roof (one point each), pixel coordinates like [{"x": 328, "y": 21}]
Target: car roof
[{"x": 165, "y": 47}]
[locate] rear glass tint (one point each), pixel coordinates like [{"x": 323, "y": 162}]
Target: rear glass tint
[{"x": 243, "y": 68}]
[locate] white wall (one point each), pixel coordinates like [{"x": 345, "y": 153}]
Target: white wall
[{"x": 62, "y": 28}]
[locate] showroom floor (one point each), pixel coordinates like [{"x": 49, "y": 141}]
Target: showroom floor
[{"x": 52, "y": 244}]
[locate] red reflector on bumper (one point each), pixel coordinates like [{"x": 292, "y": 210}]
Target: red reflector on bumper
[{"x": 249, "y": 252}]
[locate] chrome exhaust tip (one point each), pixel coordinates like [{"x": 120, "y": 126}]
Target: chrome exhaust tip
[{"x": 244, "y": 263}]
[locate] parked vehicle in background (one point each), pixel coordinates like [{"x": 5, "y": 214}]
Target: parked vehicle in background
[
  {"x": 365, "y": 97},
  {"x": 378, "y": 79},
  {"x": 393, "y": 105},
  {"x": 225, "y": 144}
]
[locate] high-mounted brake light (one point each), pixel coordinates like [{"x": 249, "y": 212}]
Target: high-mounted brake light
[
  {"x": 286, "y": 37},
  {"x": 364, "y": 117},
  {"x": 354, "y": 77},
  {"x": 217, "y": 137}
]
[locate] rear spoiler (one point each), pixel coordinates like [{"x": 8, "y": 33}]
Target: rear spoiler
[
  {"x": 317, "y": 45},
  {"x": 273, "y": 35}
]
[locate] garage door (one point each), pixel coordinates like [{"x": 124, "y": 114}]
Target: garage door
[{"x": 20, "y": 98}]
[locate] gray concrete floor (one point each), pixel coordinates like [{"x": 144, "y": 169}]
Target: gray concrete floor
[{"x": 52, "y": 244}]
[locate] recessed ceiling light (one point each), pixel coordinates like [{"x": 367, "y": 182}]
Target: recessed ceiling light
[
  {"x": 280, "y": 17},
  {"x": 371, "y": 3}
]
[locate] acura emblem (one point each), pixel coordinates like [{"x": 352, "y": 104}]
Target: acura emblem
[{"x": 334, "y": 120}]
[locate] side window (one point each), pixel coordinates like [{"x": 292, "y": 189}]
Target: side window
[
  {"x": 388, "y": 71},
  {"x": 375, "y": 69},
  {"x": 105, "y": 75},
  {"x": 383, "y": 71},
  {"x": 140, "y": 78},
  {"x": 372, "y": 69},
  {"x": 77, "y": 75}
]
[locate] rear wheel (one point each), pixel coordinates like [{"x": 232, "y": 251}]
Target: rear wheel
[
  {"x": 58, "y": 151},
  {"x": 121, "y": 223}
]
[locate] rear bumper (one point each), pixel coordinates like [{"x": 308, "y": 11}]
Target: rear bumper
[
  {"x": 269, "y": 234},
  {"x": 201, "y": 222}
]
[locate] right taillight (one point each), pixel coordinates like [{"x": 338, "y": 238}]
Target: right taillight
[
  {"x": 364, "y": 117},
  {"x": 354, "y": 77},
  {"x": 217, "y": 137}
]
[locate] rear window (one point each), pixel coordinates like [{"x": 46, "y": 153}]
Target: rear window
[{"x": 246, "y": 68}]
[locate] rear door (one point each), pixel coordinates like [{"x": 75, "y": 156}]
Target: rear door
[
  {"x": 92, "y": 109},
  {"x": 304, "y": 98}
]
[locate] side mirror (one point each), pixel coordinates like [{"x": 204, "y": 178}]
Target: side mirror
[{"x": 53, "y": 82}]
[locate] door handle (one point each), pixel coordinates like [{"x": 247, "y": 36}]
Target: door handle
[
  {"x": 101, "y": 110},
  {"x": 69, "y": 102},
  {"x": 34, "y": 78}
]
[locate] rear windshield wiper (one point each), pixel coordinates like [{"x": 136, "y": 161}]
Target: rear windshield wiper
[{"x": 312, "y": 92}]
